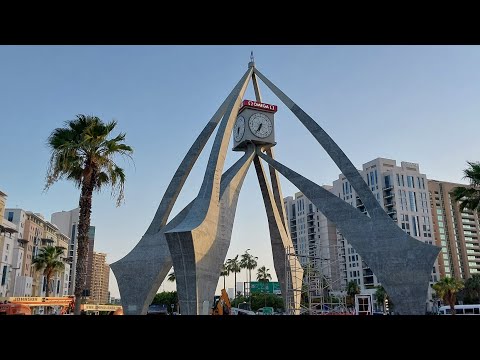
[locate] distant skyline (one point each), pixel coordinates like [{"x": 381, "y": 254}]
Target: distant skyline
[{"x": 420, "y": 104}]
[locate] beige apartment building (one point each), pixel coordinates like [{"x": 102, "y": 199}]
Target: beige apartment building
[
  {"x": 455, "y": 231},
  {"x": 35, "y": 233},
  {"x": 100, "y": 279}
]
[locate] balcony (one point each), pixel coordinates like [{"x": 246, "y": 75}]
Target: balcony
[
  {"x": 47, "y": 241},
  {"x": 389, "y": 195},
  {"x": 390, "y": 203},
  {"x": 392, "y": 212}
]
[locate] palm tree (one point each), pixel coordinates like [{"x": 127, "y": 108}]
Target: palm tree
[
  {"x": 447, "y": 289},
  {"x": 472, "y": 289},
  {"x": 233, "y": 266},
  {"x": 82, "y": 152},
  {"x": 381, "y": 296},
  {"x": 263, "y": 275},
  {"x": 48, "y": 260},
  {"x": 224, "y": 272},
  {"x": 171, "y": 277},
  {"x": 248, "y": 262},
  {"x": 469, "y": 197},
  {"x": 352, "y": 290}
]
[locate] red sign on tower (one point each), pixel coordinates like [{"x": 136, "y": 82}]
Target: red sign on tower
[{"x": 258, "y": 105}]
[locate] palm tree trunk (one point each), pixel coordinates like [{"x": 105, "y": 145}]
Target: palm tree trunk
[
  {"x": 85, "y": 204},
  {"x": 224, "y": 282},
  {"x": 451, "y": 302},
  {"x": 48, "y": 279},
  {"x": 235, "y": 287}
]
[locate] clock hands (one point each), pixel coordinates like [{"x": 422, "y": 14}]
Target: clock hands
[{"x": 259, "y": 127}]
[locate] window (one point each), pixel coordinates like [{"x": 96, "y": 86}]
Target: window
[
  {"x": 4, "y": 274},
  {"x": 413, "y": 201},
  {"x": 410, "y": 182},
  {"x": 10, "y": 216}
]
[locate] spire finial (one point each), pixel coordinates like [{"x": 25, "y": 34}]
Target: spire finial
[{"x": 252, "y": 60}]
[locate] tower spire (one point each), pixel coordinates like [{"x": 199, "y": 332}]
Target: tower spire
[{"x": 252, "y": 60}]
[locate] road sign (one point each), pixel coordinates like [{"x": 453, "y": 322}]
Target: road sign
[{"x": 271, "y": 287}]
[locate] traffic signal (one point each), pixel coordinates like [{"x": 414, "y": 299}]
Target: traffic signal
[{"x": 386, "y": 305}]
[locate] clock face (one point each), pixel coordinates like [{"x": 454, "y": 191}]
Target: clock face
[
  {"x": 239, "y": 128},
  {"x": 260, "y": 125}
]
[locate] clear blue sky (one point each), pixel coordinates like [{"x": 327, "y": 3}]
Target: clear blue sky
[{"x": 408, "y": 103}]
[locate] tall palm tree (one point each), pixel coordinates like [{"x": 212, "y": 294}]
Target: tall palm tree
[
  {"x": 171, "y": 277},
  {"x": 224, "y": 272},
  {"x": 83, "y": 153},
  {"x": 233, "y": 266},
  {"x": 48, "y": 260},
  {"x": 469, "y": 197},
  {"x": 248, "y": 262},
  {"x": 447, "y": 289},
  {"x": 263, "y": 275},
  {"x": 352, "y": 290}
]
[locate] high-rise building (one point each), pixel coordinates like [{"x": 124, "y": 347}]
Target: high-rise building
[
  {"x": 455, "y": 231},
  {"x": 402, "y": 191},
  {"x": 67, "y": 222},
  {"x": 100, "y": 279},
  {"x": 314, "y": 238}
]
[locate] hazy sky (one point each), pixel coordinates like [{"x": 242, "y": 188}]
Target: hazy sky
[{"x": 408, "y": 103}]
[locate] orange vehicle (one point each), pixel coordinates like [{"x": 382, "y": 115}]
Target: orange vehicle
[
  {"x": 222, "y": 305},
  {"x": 15, "y": 309}
]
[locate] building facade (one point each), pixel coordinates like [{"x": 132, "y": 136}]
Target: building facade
[
  {"x": 403, "y": 193},
  {"x": 100, "y": 279},
  {"x": 455, "y": 231},
  {"x": 35, "y": 233},
  {"x": 67, "y": 223},
  {"x": 314, "y": 239}
]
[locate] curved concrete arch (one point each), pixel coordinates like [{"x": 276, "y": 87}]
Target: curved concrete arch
[
  {"x": 188, "y": 240},
  {"x": 140, "y": 273},
  {"x": 188, "y": 270},
  {"x": 280, "y": 240},
  {"x": 332, "y": 149},
  {"x": 402, "y": 264}
]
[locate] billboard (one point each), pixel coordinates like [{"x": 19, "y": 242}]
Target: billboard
[{"x": 271, "y": 287}]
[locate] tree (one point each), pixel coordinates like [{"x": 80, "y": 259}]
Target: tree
[
  {"x": 83, "y": 153},
  {"x": 472, "y": 289},
  {"x": 248, "y": 262},
  {"x": 469, "y": 197},
  {"x": 352, "y": 290},
  {"x": 233, "y": 266},
  {"x": 48, "y": 260},
  {"x": 171, "y": 277},
  {"x": 260, "y": 300},
  {"x": 224, "y": 272},
  {"x": 381, "y": 295},
  {"x": 447, "y": 289},
  {"x": 167, "y": 298},
  {"x": 263, "y": 275}
]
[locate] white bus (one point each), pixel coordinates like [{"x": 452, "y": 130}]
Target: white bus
[{"x": 460, "y": 310}]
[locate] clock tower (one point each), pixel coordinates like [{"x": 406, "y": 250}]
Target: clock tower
[{"x": 254, "y": 124}]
